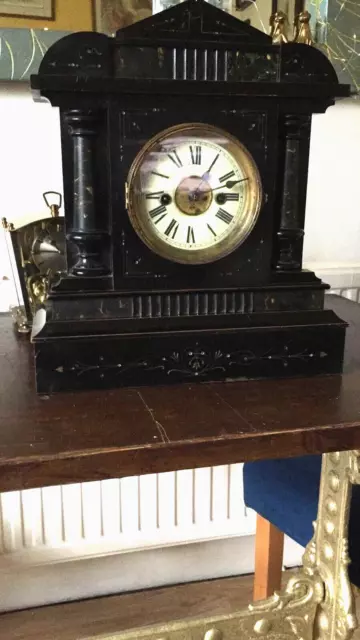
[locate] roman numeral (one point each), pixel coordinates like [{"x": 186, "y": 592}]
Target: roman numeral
[
  {"x": 224, "y": 216},
  {"x": 158, "y": 211},
  {"x": 173, "y": 227},
  {"x": 190, "y": 236},
  {"x": 227, "y": 176},
  {"x": 154, "y": 196},
  {"x": 161, "y": 175},
  {"x": 212, "y": 230},
  {"x": 195, "y": 153},
  {"x": 175, "y": 158},
  {"x": 232, "y": 197}
]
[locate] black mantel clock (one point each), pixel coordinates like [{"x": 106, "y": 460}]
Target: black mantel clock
[{"x": 185, "y": 144}]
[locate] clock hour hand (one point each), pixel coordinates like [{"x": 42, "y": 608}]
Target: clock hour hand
[{"x": 230, "y": 184}]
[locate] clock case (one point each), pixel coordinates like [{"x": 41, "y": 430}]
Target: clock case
[{"x": 120, "y": 314}]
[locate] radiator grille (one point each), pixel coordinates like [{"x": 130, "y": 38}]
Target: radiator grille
[{"x": 146, "y": 510}]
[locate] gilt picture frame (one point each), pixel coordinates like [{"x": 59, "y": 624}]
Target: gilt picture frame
[
  {"x": 111, "y": 15},
  {"x": 161, "y": 5},
  {"x": 41, "y": 9}
]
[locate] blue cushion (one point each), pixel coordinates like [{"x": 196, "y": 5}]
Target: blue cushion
[{"x": 286, "y": 492}]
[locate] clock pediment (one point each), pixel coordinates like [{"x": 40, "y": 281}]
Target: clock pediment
[
  {"x": 194, "y": 20},
  {"x": 192, "y": 40}
]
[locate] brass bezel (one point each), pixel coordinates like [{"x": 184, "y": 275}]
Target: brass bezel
[{"x": 244, "y": 225}]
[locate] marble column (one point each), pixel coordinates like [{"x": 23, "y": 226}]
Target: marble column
[
  {"x": 296, "y": 130},
  {"x": 84, "y": 233}
]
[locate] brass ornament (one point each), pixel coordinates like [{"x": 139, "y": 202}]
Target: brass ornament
[
  {"x": 317, "y": 602},
  {"x": 20, "y": 319},
  {"x": 38, "y": 286},
  {"x": 18, "y": 311},
  {"x": 29, "y": 244},
  {"x": 54, "y": 206},
  {"x": 8, "y": 226},
  {"x": 302, "y": 31},
  {"x": 278, "y": 28}
]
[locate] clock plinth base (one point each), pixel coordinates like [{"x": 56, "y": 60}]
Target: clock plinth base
[{"x": 272, "y": 345}]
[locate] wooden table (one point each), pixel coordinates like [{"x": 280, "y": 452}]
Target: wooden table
[{"x": 69, "y": 438}]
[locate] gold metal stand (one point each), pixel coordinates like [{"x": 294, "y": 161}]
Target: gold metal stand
[{"x": 316, "y": 604}]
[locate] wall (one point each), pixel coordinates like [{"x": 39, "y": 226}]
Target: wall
[
  {"x": 258, "y": 13},
  {"x": 332, "y": 229},
  {"x": 70, "y": 15},
  {"x": 31, "y": 159},
  {"x": 31, "y": 162}
]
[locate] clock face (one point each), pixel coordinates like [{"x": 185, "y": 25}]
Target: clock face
[{"x": 194, "y": 194}]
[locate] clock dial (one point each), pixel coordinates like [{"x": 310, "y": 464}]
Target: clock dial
[{"x": 194, "y": 194}]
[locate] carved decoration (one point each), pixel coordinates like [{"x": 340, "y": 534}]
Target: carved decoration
[
  {"x": 335, "y": 618},
  {"x": 317, "y": 603},
  {"x": 193, "y": 362}
]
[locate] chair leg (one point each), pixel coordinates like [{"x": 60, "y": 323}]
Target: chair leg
[{"x": 269, "y": 548}]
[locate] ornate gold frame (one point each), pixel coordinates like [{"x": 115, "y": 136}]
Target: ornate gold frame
[
  {"x": 45, "y": 13},
  {"x": 316, "y": 604}
]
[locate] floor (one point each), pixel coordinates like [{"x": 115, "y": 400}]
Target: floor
[{"x": 91, "y": 618}]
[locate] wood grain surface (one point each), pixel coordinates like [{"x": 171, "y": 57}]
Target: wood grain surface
[
  {"x": 96, "y": 435},
  {"x": 100, "y": 616}
]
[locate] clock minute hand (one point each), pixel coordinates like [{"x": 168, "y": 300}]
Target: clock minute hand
[
  {"x": 206, "y": 174},
  {"x": 230, "y": 184}
]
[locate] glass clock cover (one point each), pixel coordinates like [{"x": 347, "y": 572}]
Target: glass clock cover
[{"x": 194, "y": 193}]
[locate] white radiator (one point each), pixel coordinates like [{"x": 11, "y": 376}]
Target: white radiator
[
  {"x": 124, "y": 515},
  {"x": 91, "y": 539}
]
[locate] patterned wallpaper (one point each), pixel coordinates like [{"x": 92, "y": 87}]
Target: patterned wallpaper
[
  {"x": 336, "y": 27},
  {"x": 21, "y": 51}
]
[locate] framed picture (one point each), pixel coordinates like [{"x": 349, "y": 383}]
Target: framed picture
[
  {"x": 111, "y": 15},
  {"x": 161, "y": 5},
  {"x": 258, "y": 12},
  {"x": 255, "y": 12},
  {"x": 28, "y": 8}
]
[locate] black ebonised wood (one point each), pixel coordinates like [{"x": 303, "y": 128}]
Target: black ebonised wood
[{"x": 122, "y": 315}]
